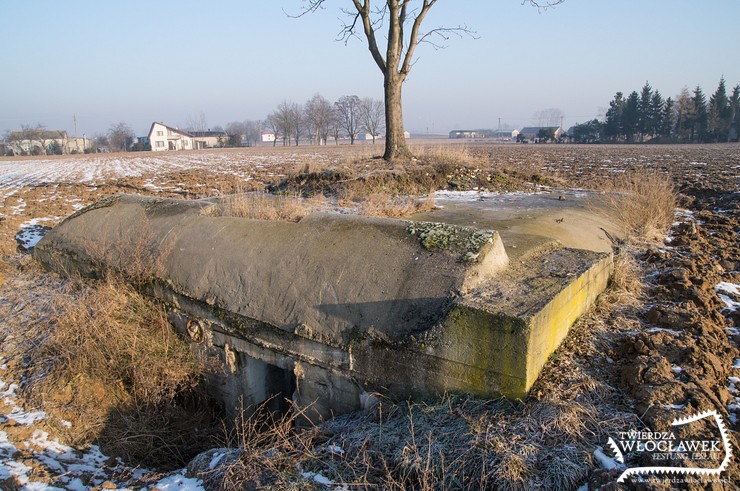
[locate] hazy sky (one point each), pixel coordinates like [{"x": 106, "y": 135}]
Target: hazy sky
[{"x": 137, "y": 62}]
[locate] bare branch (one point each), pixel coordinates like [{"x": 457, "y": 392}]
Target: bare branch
[
  {"x": 348, "y": 30},
  {"x": 444, "y": 33},
  {"x": 542, "y": 5},
  {"x": 414, "y": 38},
  {"x": 372, "y": 44},
  {"x": 310, "y": 7}
]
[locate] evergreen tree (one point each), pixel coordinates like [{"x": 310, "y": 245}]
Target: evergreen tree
[
  {"x": 644, "y": 110},
  {"x": 701, "y": 116},
  {"x": 667, "y": 119},
  {"x": 720, "y": 114},
  {"x": 631, "y": 116},
  {"x": 613, "y": 123},
  {"x": 655, "y": 115},
  {"x": 588, "y": 132},
  {"x": 735, "y": 106}
]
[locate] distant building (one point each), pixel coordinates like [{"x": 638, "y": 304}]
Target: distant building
[
  {"x": 76, "y": 144},
  {"x": 473, "y": 134},
  {"x": 142, "y": 144},
  {"x": 267, "y": 137},
  {"x": 164, "y": 138},
  {"x": 368, "y": 137},
  {"x": 210, "y": 139},
  {"x": 458, "y": 134},
  {"x": 533, "y": 132},
  {"x": 44, "y": 142}
]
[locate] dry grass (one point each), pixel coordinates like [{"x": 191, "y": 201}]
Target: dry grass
[
  {"x": 460, "y": 443},
  {"x": 5, "y": 270},
  {"x": 455, "y": 155},
  {"x": 262, "y": 206},
  {"x": 626, "y": 283},
  {"x": 101, "y": 356},
  {"x": 382, "y": 203},
  {"x": 643, "y": 202}
]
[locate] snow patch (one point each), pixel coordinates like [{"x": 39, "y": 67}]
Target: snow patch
[
  {"x": 605, "y": 461},
  {"x": 178, "y": 482},
  {"x": 335, "y": 450},
  {"x": 674, "y": 406},
  {"x": 29, "y": 236},
  {"x": 729, "y": 293},
  {"x": 25, "y": 418}
]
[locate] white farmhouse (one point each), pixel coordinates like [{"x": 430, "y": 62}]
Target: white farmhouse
[{"x": 163, "y": 137}]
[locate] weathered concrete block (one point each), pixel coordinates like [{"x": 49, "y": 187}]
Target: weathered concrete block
[{"x": 345, "y": 304}]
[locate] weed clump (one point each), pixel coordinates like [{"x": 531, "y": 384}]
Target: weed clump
[
  {"x": 263, "y": 206},
  {"x": 458, "y": 442},
  {"x": 108, "y": 361},
  {"x": 643, "y": 202}
]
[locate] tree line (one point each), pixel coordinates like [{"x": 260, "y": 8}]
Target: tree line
[
  {"x": 315, "y": 121},
  {"x": 318, "y": 120},
  {"x": 646, "y": 116}
]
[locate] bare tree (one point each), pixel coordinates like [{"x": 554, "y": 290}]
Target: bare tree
[
  {"x": 549, "y": 117},
  {"x": 372, "y": 116},
  {"x": 287, "y": 121},
  {"x": 282, "y": 119},
  {"x": 401, "y": 44},
  {"x": 297, "y": 121},
  {"x": 348, "y": 113},
  {"x": 45, "y": 137},
  {"x": 33, "y": 140},
  {"x": 335, "y": 128},
  {"x": 253, "y": 131},
  {"x": 120, "y": 137},
  {"x": 319, "y": 113},
  {"x": 243, "y": 132},
  {"x": 273, "y": 122},
  {"x": 237, "y": 133},
  {"x": 101, "y": 143},
  {"x": 196, "y": 122}
]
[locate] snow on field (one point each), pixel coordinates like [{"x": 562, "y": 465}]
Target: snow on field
[{"x": 102, "y": 168}]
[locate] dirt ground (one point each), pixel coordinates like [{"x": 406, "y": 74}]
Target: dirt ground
[{"x": 671, "y": 353}]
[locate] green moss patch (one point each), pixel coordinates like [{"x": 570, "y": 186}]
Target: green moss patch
[{"x": 463, "y": 241}]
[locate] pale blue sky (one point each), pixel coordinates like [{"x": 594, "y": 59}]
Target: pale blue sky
[{"x": 166, "y": 60}]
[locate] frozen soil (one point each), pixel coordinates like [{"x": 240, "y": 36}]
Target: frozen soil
[{"x": 634, "y": 362}]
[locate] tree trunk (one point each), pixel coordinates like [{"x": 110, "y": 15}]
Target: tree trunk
[{"x": 395, "y": 141}]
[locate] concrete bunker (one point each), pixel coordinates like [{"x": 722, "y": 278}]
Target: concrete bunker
[{"x": 328, "y": 310}]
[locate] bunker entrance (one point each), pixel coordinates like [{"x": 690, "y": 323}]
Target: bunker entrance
[{"x": 262, "y": 386}]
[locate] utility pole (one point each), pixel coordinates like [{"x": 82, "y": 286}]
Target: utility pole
[{"x": 74, "y": 118}]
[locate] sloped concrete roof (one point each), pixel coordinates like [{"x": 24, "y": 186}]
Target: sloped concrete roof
[{"x": 405, "y": 307}]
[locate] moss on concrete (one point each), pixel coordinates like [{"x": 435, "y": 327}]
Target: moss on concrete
[{"x": 463, "y": 241}]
